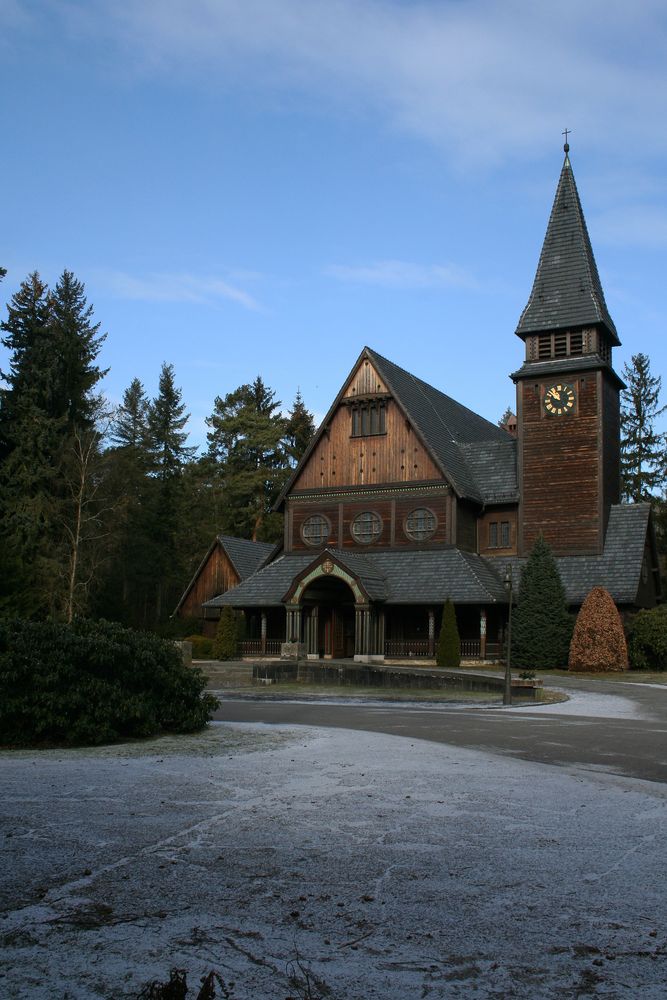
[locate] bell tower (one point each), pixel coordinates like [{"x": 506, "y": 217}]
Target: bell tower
[{"x": 568, "y": 407}]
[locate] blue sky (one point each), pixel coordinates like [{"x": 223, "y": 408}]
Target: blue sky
[{"x": 265, "y": 186}]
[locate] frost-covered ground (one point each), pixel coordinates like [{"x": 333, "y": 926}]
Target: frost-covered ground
[{"x": 389, "y": 868}]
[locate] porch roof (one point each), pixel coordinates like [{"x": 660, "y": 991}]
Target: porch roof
[{"x": 409, "y": 577}]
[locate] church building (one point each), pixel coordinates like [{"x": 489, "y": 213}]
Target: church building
[{"x": 406, "y": 498}]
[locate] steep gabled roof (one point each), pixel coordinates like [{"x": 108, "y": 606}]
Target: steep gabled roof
[
  {"x": 449, "y": 431},
  {"x": 567, "y": 291}
]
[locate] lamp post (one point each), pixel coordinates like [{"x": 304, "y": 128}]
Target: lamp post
[{"x": 507, "y": 695}]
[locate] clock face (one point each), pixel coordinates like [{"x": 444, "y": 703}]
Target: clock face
[{"x": 559, "y": 398}]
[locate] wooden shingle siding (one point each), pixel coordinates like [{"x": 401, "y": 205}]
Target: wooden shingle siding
[
  {"x": 340, "y": 460},
  {"x": 561, "y": 479}
]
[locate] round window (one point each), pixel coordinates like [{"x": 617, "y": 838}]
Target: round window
[
  {"x": 420, "y": 524},
  {"x": 316, "y": 529},
  {"x": 366, "y": 527}
]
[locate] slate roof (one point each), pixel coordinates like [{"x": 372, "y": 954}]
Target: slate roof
[
  {"x": 619, "y": 567},
  {"x": 567, "y": 291},
  {"x": 556, "y": 367},
  {"x": 371, "y": 577},
  {"x": 475, "y": 456},
  {"x": 408, "y": 577},
  {"x": 246, "y": 556},
  {"x": 493, "y": 466}
]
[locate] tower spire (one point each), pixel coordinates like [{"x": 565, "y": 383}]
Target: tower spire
[{"x": 567, "y": 291}]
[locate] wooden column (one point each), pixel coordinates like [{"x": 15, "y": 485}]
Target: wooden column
[
  {"x": 362, "y": 631},
  {"x": 263, "y": 632},
  {"x": 316, "y": 629},
  {"x": 482, "y": 633},
  {"x": 293, "y": 627},
  {"x": 380, "y": 631}
]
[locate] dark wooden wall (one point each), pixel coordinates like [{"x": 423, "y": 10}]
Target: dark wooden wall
[
  {"x": 216, "y": 576},
  {"x": 562, "y": 488},
  {"x": 498, "y": 514},
  {"x": 392, "y": 510}
]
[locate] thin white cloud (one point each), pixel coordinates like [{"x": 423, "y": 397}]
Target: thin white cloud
[
  {"x": 402, "y": 274},
  {"x": 485, "y": 80},
  {"x": 174, "y": 288}
]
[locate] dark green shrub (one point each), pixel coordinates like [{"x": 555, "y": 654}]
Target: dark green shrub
[
  {"x": 647, "y": 645},
  {"x": 202, "y": 647},
  {"x": 541, "y": 623},
  {"x": 448, "y": 651},
  {"x": 226, "y": 635},
  {"x": 94, "y": 682}
]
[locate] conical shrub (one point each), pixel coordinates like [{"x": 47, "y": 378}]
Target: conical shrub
[
  {"x": 598, "y": 642},
  {"x": 448, "y": 652}
]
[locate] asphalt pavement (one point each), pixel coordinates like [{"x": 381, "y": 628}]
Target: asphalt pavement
[{"x": 619, "y": 727}]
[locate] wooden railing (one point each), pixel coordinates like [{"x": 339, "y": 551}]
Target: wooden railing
[
  {"x": 253, "y": 647},
  {"x": 470, "y": 649},
  {"x": 406, "y": 647}
]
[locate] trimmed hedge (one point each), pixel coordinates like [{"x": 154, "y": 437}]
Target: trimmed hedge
[
  {"x": 92, "y": 683},
  {"x": 202, "y": 647}
]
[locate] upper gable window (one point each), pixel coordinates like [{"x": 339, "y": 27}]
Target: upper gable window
[{"x": 369, "y": 418}]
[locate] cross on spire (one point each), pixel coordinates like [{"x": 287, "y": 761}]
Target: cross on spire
[{"x": 566, "y": 132}]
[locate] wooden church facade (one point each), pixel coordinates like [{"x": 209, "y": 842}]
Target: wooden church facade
[{"x": 406, "y": 498}]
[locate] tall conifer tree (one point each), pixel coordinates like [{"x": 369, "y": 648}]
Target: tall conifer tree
[
  {"x": 643, "y": 459},
  {"x": 248, "y": 453},
  {"x": 541, "y": 625}
]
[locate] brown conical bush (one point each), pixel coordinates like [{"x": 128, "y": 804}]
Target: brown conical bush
[{"x": 598, "y": 643}]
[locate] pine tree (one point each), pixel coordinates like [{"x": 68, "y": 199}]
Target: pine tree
[
  {"x": 130, "y": 424},
  {"x": 448, "y": 652},
  {"x": 165, "y": 502},
  {"x": 643, "y": 461},
  {"x": 76, "y": 342},
  {"x": 47, "y": 401},
  {"x": 30, "y": 374},
  {"x": 166, "y": 421},
  {"x": 541, "y": 624},
  {"x": 598, "y": 642},
  {"x": 248, "y": 456},
  {"x": 300, "y": 430}
]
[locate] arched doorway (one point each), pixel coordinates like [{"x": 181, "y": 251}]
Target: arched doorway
[{"x": 328, "y": 609}]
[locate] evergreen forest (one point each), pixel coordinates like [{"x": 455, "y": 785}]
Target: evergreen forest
[{"x": 106, "y": 512}]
